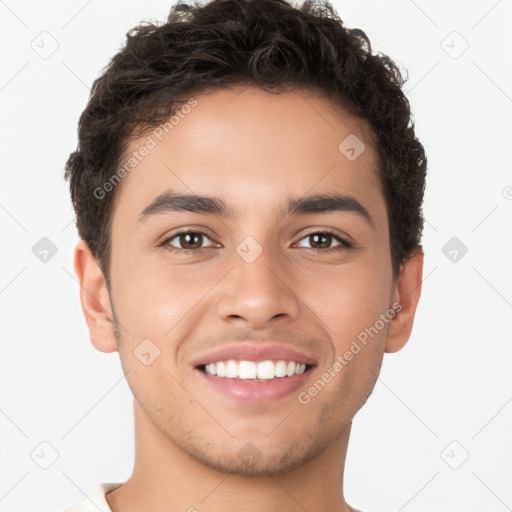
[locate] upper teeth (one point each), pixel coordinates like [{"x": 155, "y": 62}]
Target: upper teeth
[{"x": 264, "y": 370}]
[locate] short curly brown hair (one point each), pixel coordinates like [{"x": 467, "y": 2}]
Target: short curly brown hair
[{"x": 267, "y": 43}]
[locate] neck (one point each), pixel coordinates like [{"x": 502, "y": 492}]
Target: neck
[{"x": 165, "y": 478}]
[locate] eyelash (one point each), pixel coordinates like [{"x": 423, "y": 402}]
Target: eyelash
[{"x": 343, "y": 243}]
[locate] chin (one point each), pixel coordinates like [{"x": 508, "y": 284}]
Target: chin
[{"x": 251, "y": 461}]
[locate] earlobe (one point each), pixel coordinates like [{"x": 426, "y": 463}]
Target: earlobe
[
  {"x": 94, "y": 299},
  {"x": 407, "y": 293}
]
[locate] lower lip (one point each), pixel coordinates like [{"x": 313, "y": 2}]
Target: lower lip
[{"x": 257, "y": 392}]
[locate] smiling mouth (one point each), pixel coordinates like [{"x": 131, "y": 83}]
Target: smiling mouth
[{"x": 261, "y": 371}]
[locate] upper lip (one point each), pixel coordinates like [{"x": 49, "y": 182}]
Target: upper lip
[{"x": 253, "y": 352}]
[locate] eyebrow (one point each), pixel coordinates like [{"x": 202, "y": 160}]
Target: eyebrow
[{"x": 171, "y": 201}]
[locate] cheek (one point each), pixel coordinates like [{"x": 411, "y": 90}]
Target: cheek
[
  {"x": 351, "y": 308},
  {"x": 163, "y": 302},
  {"x": 347, "y": 299}
]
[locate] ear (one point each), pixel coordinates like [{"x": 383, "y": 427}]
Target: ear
[
  {"x": 407, "y": 293},
  {"x": 94, "y": 299}
]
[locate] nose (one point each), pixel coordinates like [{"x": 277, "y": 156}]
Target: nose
[{"x": 258, "y": 293}]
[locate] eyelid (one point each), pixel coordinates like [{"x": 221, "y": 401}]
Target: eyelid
[
  {"x": 185, "y": 231},
  {"x": 344, "y": 240}
]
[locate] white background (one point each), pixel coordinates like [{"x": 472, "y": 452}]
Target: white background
[{"x": 452, "y": 381}]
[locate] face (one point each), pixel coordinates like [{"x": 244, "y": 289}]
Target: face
[{"x": 264, "y": 276}]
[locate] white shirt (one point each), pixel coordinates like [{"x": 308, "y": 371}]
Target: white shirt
[{"x": 96, "y": 500}]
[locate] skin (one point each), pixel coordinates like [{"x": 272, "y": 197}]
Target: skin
[{"x": 253, "y": 150}]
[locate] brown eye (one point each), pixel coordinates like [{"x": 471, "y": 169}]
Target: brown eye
[
  {"x": 322, "y": 240},
  {"x": 187, "y": 240}
]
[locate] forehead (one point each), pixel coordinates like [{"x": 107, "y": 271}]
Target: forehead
[{"x": 252, "y": 148}]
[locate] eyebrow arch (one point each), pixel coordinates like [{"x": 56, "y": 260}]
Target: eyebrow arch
[
  {"x": 325, "y": 203},
  {"x": 171, "y": 201}
]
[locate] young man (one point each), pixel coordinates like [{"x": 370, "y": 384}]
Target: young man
[{"x": 248, "y": 191}]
